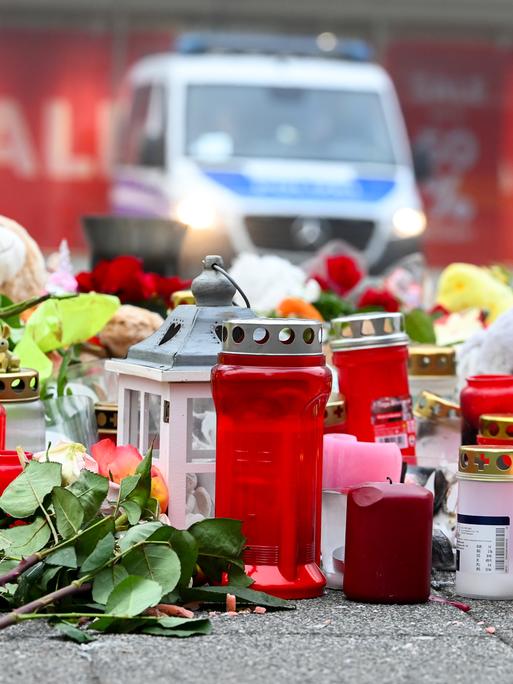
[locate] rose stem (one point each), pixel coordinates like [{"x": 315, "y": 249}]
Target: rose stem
[{"x": 32, "y": 607}]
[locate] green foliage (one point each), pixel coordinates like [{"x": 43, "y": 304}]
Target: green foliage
[
  {"x": 91, "y": 490},
  {"x": 217, "y": 596},
  {"x": 24, "y": 495},
  {"x": 330, "y": 306},
  {"x": 132, "y": 596},
  {"x": 73, "y": 633},
  {"x": 100, "y": 555},
  {"x": 106, "y": 580},
  {"x": 110, "y": 568},
  {"x": 157, "y": 562},
  {"x": 69, "y": 513},
  {"x": 220, "y": 545},
  {"x": 419, "y": 327},
  {"x": 23, "y": 540}
]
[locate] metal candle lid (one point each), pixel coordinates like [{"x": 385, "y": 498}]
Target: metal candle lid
[
  {"x": 486, "y": 463},
  {"x": 431, "y": 406},
  {"x": 272, "y": 336},
  {"x": 497, "y": 425},
  {"x": 335, "y": 412},
  {"x": 20, "y": 385},
  {"x": 367, "y": 330},
  {"x": 428, "y": 359}
]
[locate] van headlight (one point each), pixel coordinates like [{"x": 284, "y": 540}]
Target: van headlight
[
  {"x": 197, "y": 212},
  {"x": 408, "y": 223}
]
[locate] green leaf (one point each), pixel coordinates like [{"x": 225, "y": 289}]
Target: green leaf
[
  {"x": 217, "y": 595},
  {"x": 60, "y": 323},
  {"x": 88, "y": 540},
  {"x": 48, "y": 575},
  {"x": 23, "y": 540},
  {"x": 116, "y": 625},
  {"x": 69, "y": 514},
  {"x": 133, "y": 511},
  {"x": 237, "y": 576},
  {"x": 155, "y": 562},
  {"x": 138, "y": 533},
  {"x": 102, "y": 553},
  {"x": 219, "y": 537},
  {"x": 152, "y": 508},
  {"x": 142, "y": 492},
  {"x": 23, "y": 496},
  {"x": 127, "y": 486},
  {"x": 65, "y": 557},
  {"x": 330, "y": 306},
  {"x": 185, "y": 546},
  {"x": 73, "y": 633},
  {"x": 105, "y": 581},
  {"x": 133, "y": 596},
  {"x": 91, "y": 490},
  {"x": 220, "y": 545},
  {"x": 419, "y": 327},
  {"x": 184, "y": 628}
]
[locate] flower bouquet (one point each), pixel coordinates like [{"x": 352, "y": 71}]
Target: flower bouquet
[{"x": 90, "y": 568}]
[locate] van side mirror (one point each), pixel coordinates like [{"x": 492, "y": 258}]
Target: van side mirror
[{"x": 422, "y": 163}]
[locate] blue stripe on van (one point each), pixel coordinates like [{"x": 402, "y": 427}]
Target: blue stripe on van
[{"x": 357, "y": 190}]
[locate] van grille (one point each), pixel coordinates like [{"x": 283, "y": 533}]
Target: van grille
[{"x": 285, "y": 232}]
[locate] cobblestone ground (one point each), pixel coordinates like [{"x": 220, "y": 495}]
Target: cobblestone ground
[{"x": 325, "y": 640}]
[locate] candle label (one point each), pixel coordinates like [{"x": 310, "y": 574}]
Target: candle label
[
  {"x": 482, "y": 543},
  {"x": 392, "y": 419}
]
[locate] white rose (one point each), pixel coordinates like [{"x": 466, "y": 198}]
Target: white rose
[{"x": 73, "y": 458}]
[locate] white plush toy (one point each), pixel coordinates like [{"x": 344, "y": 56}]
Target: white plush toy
[{"x": 489, "y": 351}]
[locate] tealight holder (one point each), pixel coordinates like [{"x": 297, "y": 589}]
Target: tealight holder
[
  {"x": 19, "y": 394},
  {"x": 485, "y": 511}
]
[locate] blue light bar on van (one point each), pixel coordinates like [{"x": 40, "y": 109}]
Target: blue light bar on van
[{"x": 325, "y": 45}]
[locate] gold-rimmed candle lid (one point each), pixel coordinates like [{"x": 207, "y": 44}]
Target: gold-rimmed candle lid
[
  {"x": 20, "y": 385},
  {"x": 429, "y": 405},
  {"x": 335, "y": 412},
  {"x": 496, "y": 425},
  {"x": 106, "y": 417},
  {"x": 483, "y": 462},
  {"x": 428, "y": 359}
]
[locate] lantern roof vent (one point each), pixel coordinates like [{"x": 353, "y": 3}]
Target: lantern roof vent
[{"x": 191, "y": 335}]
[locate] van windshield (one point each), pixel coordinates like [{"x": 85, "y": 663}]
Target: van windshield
[{"x": 225, "y": 121}]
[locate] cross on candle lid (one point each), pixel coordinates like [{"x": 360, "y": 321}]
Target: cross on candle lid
[{"x": 485, "y": 463}]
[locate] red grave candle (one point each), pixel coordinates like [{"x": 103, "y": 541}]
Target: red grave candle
[
  {"x": 388, "y": 543},
  {"x": 484, "y": 394},
  {"x": 10, "y": 467}
]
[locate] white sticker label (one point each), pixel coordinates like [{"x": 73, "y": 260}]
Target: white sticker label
[{"x": 482, "y": 544}]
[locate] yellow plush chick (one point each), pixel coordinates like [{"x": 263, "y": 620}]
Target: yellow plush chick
[{"x": 464, "y": 286}]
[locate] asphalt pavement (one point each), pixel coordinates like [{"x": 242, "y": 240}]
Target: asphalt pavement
[{"x": 324, "y": 640}]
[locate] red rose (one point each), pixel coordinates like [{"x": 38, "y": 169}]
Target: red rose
[
  {"x": 167, "y": 286},
  {"x": 380, "y": 298},
  {"x": 343, "y": 273}
]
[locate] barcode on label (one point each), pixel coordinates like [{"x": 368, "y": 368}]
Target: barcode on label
[
  {"x": 500, "y": 549},
  {"x": 401, "y": 440}
]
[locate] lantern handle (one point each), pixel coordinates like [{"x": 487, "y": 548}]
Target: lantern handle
[{"x": 216, "y": 267}]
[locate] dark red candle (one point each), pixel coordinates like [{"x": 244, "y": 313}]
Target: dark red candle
[{"x": 388, "y": 543}]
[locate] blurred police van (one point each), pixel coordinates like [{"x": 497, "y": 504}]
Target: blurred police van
[{"x": 269, "y": 144}]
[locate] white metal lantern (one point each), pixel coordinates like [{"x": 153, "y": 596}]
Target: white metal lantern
[{"x": 165, "y": 397}]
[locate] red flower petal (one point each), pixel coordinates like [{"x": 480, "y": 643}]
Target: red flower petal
[{"x": 115, "y": 461}]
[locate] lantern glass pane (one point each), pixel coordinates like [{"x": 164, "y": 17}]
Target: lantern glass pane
[
  {"x": 201, "y": 430},
  {"x": 200, "y": 488},
  {"x": 134, "y": 417},
  {"x": 154, "y": 414}
]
